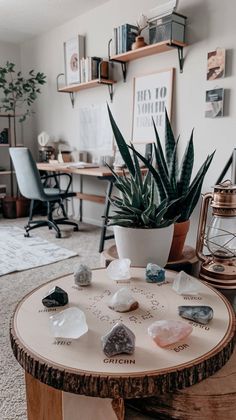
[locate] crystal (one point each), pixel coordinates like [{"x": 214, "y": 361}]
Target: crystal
[
  {"x": 119, "y": 269},
  {"x": 202, "y": 314},
  {"x": 119, "y": 340},
  {"x": 185, "y": 285},
  {"x": 167, "y": 332},
  {"x": 55, "y": 297},
  {"x": 70, "y": 323},
  {"x": 83, "y": 275},
  {"x": 123, "y": 301},
  {"x": 154, "y": 273}
]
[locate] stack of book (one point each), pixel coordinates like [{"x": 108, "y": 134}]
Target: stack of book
[
  {"x": 123, "y": 38},
  {"x": 93, "y": 67}
]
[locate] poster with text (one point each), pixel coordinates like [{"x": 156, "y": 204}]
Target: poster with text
[{"x": 152, "y": 94}]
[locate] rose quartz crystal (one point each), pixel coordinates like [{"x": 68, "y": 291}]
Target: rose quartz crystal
[{"x": 167, "y": 332}]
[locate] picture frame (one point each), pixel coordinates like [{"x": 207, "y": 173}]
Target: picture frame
[
  {"x": 216, "y": 61},
  {"x": 214, "y": 107},
  {"x": 152, "y": 94},
  {"x": 74, "y": 50}
]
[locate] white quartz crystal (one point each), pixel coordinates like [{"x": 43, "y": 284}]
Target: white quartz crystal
[
  {"x": 184, "y": 284},
  {"x": 123, "y": 301},
  {"x": 70, "y": 323},
  {"x": 119, "y": 269}
]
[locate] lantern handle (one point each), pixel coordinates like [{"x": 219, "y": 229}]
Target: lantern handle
[{"x": 202, "y": 226}]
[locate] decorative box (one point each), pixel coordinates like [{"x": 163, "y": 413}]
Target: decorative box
[{"x": 170, "y": 27}]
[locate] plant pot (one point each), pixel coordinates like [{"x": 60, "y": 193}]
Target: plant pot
[
  {"x": 179, "y": 236},
  {"x": 9, "y": 207},
  {"x": 139, "y": 43},
  {"x": 142, "y": 246},
  {"x": 22, "y": 207}
]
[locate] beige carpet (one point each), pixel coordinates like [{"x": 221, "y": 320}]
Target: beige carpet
[{"x": 14, "y": 286}]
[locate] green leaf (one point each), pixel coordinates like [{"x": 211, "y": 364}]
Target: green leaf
[
  {"x": 169, "y": 139},
  {"x": 186, "y": 168},
  {"x": 122, "y": 146}
]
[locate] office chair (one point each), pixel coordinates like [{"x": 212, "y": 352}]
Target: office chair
[{"x": 33, "y": 187}]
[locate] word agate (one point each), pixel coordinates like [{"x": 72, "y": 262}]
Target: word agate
[
  {"x": 165, "y": 333},
  {"x": 123, "y": 301},
  {"x": 70, "y": 323},
  {"x": 55, "y": 297},
  {"x": 186, "y": 285},
  {"x": 202, "y": 314},
  {"x": 119, "y": 340},
  {"x": 83, "y": 275},
  {"x": 154, "y": 273}
]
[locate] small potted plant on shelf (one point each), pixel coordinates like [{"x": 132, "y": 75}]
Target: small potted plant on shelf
[
  {"x": 17, "y": 94},
  {"x": 142, "y": 23},
  {"x": 143, "y": 232},
  {"x": 175, "y": 194}
]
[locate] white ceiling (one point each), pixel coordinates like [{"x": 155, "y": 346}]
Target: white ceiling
[{"x": 23, "y": 19}]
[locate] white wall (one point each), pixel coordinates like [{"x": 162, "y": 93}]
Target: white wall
[{"x": 211, "y": 24}]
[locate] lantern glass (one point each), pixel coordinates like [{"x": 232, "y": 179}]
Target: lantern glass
[{"x": 221, "y": 237}]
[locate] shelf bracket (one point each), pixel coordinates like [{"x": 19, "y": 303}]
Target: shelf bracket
[
  {"x": 180, "y": 55},
  {"x": 122, "y": 63},
  {"x": 72, "y": 94}
]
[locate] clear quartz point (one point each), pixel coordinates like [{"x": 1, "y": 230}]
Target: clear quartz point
[
  {"x": 119, "y": 269},
  {"x": 70, "y": 323},
  {"x": 184, "y": 284}
]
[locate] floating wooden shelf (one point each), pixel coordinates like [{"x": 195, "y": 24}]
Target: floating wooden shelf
[
  {"x": 4, "y": 145},
  {"x": 6, "y": 172},
  {"x": 71, "y": 89},
  {"x": 157, "y": 48}
]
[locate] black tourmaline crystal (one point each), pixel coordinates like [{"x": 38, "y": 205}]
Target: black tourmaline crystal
[
  {"x": 119, "y": 340},
  {"x": 55, "y": 297},
  {"x": 202, "y": 314}
]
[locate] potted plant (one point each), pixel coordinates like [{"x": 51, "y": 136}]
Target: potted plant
[
  {"x": 17, "y": 93},
  {"x": 173, "y": 182},
  {"x": 143, "y": 231}
]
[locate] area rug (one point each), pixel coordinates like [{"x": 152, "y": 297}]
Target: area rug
[{"x": 18, "y": 253}]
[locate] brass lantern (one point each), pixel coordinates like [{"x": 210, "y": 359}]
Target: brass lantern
[{"x": 218, "y": 237}]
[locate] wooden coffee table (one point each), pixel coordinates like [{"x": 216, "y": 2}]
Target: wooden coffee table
[{"x": 73, "y": 379}]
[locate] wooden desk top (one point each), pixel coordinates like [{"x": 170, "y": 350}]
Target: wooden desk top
[
  {"x": 80, "y": 366},
  {"x": 101, "y": 171}
]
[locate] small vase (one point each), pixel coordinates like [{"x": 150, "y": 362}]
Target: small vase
[{"x": 139, "y": 42}]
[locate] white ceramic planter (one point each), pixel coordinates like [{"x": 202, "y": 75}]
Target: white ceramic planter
[{"x": 142, "y": 246}]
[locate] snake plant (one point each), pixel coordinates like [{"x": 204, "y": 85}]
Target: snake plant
[
  {"x": 137, "y": 206},
  {"x": 172, "y": 181}
]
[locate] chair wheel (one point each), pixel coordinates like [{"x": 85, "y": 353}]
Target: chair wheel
[
  {"x": 26, "y": 235},
  {"x": 76, "y": 229},
  {"x": 58, "y": 235},
  {"x": 50, "y": 227}
]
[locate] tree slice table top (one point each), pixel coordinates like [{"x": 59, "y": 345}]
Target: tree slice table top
[{"x": 80, "y": 366}]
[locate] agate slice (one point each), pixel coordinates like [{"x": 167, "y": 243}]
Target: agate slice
[
  {"x": 119, "y": 340},
  {"x": 202, "y": 314},
  {"x": 167, "y": 332}
]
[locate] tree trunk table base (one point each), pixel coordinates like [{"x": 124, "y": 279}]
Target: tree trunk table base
[{"x": 80, "y": 366}]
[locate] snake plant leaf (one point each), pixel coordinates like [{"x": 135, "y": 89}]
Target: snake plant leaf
[
  {"x": 163, "y": 175},
  {"x": 186, "y": 168},
  {"x": 159, "y": 148},
  {"x": 173, "y": 171},
  {"x": 138, "y": 173},
  {"x": 121, "y": 143},
  {"x": 169, "y": 139},
  {"x": 155, "y": 174},
  {"x": 122, "y": 222}
]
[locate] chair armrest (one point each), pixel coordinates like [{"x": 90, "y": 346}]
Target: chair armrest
[{"x": 55, "y": 176}]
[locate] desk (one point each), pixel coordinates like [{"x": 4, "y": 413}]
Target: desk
[
  {"x": 103, "y": 173},
  {"x": 63, "y": 375}
]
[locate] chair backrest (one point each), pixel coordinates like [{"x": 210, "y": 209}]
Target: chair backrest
[{"x": 27, "y": 174}]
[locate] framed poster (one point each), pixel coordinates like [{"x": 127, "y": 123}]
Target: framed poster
[
  {"x": 73, "y": 52},
  {"x": 214, "y": 103},
  {"x": 216, "y": 64},
  {"x": 152, "y": 94}
]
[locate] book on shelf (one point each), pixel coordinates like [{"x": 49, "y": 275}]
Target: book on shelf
[
  {"x": 93, "y": 67},
  {"x": 123, "y": 38}
]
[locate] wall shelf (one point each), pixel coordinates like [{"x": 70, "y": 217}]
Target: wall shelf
[
  {"x": 4, "y": 145},
  {"x": 72, "y": 89},
  {"x": 6, "y": 172},
  {"x": 151, "y": 49}
]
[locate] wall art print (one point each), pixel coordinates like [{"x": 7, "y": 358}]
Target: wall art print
[
  {"x": 216, "y": 64},
  {"x": 214, "y": 103},
  {"x": 152, "y": 94},
  {"x": 74, "y": 50}
]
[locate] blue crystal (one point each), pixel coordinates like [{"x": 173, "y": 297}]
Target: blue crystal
[
  {"x": 202, "y": 314},
  {"x": 154, "y": 273}
]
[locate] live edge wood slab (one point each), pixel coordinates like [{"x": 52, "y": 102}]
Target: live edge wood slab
[{"x": 80, "y": 366}]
